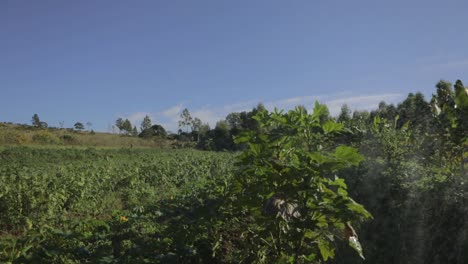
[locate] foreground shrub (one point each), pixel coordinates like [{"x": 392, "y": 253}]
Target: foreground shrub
[{"x": 287, "y": 202}]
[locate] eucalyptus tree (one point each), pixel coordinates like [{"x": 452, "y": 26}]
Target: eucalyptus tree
[
  {"x": 186, "y": 120},
  {"x": 146, "y": 123}
]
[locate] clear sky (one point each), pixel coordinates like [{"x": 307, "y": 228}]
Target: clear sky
[{"x": 98, "y": 60}]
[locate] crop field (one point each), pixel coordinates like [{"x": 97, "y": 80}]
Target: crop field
[{"x": 65, "y": 205}]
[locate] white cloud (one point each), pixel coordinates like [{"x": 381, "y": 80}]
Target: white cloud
[
  {"x": 172, "y": 113},
  {"x": 363, "y": 102},
  {"x": 240, "y": 106},
  {"x": 210, "y": 116},
  {"x": 289, "y": 103},
  {"x": 297, "y": 100},
  {"x": 168, "y": 118},
  {"x": 137, "y": 118}
]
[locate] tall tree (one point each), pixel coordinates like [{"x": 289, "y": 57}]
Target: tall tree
[
  {"x": 196, "y": 126},
  {"x": 444, "y": 94},
  {"x": 134, "y": 131},
  {"x": 222, "y": 139},
  {"x": 204, "y": 129},
  {"x": 36, "y": 122},
  {"x": 345, "y": 114},
  {"x": 127, "y": 127},
  {"x": 247, "y": 120},
  {"x": 119, "y": 124},
  {"x": 234, "y": 120},
  {"x": 185, "y": 120},
  {"x": 387, "y": 111},
  {"x": 146, "y": 123},
  {"x": 415, "y": 110}
]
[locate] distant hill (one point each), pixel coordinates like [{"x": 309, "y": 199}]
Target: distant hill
[{"x": 22, "y": 134}]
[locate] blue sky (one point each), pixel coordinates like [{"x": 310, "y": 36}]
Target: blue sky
[{"x": 98, "y": 60}]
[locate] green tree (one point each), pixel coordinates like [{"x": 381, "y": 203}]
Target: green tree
[
  {"x": 451, "y": 109},
  {"x": 146, "y": 123},
  {"x": 204, "y": 128},
  {"x": 127, "y": 127},
  {"x": 345, "y": 114},
  {"x": 78, "y": 126},
  {"x": 234, "y": 120},
  {"x": 134, "y": 131},
  {"x": 221, "y": 136},
  {"x": 205, "y": 139},
  {"x": 36, "y": 122},
  {"x": 196, "y": 126},
  {"x": 153, "y": 131},
  {"x": 416, "y": 110},
  {"x": 248, "y": 122},
  {"x": 185, "y": 120},
  {"x": 159, "y": 130},
  {"x": 444, "y": 94},
  {"x": 387, "y": 111},
  {"x": 119, "y": 123}
]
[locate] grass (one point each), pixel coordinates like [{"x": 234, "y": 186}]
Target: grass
[{"x": 14, "y": 134}]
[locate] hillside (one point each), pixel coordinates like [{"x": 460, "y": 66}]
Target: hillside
[{"x": 21, "y": 134}]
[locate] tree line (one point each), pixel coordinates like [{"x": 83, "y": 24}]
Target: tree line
[
  {"x": 415, "y": 110},
  {"x": 38, "y": 123}
]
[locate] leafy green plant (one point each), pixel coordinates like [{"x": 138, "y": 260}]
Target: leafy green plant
[{"x": 293, "y": 207}]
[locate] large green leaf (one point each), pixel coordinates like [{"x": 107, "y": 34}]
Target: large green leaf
[
  {"x": 354, "y": 243},
  {"x": 332, "y": 127},
  {"x": 348, "y": 154},
  {"x": 326, "y": 250},
  {"x": 357, "y": 208}
]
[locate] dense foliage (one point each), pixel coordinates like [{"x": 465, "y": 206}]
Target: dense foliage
[
  {"x": 296, "y": 207},
  {"x": 413, "y": 178}
]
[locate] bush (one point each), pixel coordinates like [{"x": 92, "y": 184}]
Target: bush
[
  {"x": 45, "y": 137},
  {"x": 14, "y": 138},
  {"x": 69, "y": 139},
  {"x": 22, "y": 139},
  {"x": 287, "y": 194}
]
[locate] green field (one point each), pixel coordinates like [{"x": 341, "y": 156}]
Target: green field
[{"x": 64, "y": 205}]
